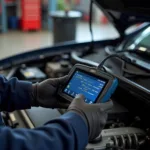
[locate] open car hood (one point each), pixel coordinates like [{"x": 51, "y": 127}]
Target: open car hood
[{"x": 124, "y": 13}]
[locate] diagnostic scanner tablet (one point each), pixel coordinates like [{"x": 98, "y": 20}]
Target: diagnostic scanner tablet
[{"x": 97, "y": 86}]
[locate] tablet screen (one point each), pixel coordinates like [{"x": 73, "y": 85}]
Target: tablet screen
[{"x": 88, "y": 85}]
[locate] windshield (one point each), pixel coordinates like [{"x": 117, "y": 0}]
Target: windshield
[
  {"x": 145, "y": 42},
  {"x": 141, "y": 40}
]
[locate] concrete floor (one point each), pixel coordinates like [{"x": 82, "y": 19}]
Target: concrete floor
[{"x": 15, "y": 42}]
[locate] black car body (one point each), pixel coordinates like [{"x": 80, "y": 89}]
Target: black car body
[{"x": 128, "y": 123}]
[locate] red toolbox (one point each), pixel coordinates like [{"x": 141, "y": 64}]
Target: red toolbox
[{"x": 31, "y": 15}]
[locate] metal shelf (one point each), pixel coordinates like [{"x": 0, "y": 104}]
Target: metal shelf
[
  {"x": 3, "y": 21},
  {"x": 52, "y": 6},
  {"x": 3, "y": 16}
]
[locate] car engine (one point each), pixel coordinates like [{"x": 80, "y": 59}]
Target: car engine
[
  {"x": 123, "y": 138},
  {"x": 127, "y": 126}
]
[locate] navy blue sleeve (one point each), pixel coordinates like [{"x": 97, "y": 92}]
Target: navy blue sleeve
[
  {"x": 69, "y": 132},
  {"x": 14, "y": 94}
]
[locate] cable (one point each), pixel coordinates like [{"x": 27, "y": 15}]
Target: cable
[
  {"x": 100, "y": 66},
  {"x": 114, "y": 55},
  {"x": 90, "y": 25},
  {"x": 135, "y": 74},
  {"x": 135, "y": 51},
  {"x": 110, "y": 56},
  {"x": 90, "y": 48},
  {"x": 131, "y": 73}
]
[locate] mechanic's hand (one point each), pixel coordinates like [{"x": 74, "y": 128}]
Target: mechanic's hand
[
  {"x": 93, "y": 115},
  {"x": 45, "y": 94}
]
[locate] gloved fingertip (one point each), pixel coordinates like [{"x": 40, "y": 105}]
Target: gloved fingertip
[
  {"x": 80, "y": 96},
  {"x": 63, "y": 79}
]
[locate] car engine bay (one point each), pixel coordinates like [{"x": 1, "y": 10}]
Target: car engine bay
[{"x": 128, "y": 123}]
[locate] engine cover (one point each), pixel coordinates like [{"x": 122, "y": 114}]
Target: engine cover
[{"x": 126, "y": 137}]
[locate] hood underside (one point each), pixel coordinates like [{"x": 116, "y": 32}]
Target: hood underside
[{"x": 124, "y": 13}]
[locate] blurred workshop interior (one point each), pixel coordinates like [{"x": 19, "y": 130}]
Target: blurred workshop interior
[{"x": 27, "y": 25}]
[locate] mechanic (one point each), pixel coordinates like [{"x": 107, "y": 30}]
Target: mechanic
[{"x": 72, "y": 131}]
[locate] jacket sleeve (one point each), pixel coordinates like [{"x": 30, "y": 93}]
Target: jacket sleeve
[
  {"x": 69, "y": 132},
  {"x": 14, "y": 94}
]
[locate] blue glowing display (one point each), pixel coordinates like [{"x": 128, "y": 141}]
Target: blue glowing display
[{"x": 88, "y": 85}]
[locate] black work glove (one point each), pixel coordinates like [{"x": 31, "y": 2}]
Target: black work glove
[
  {"x": 93, "y": 115},
  {"x": 45, "y": 94}
]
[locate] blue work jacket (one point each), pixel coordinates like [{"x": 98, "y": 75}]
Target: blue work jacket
[{"x": 69, "y": 132}]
